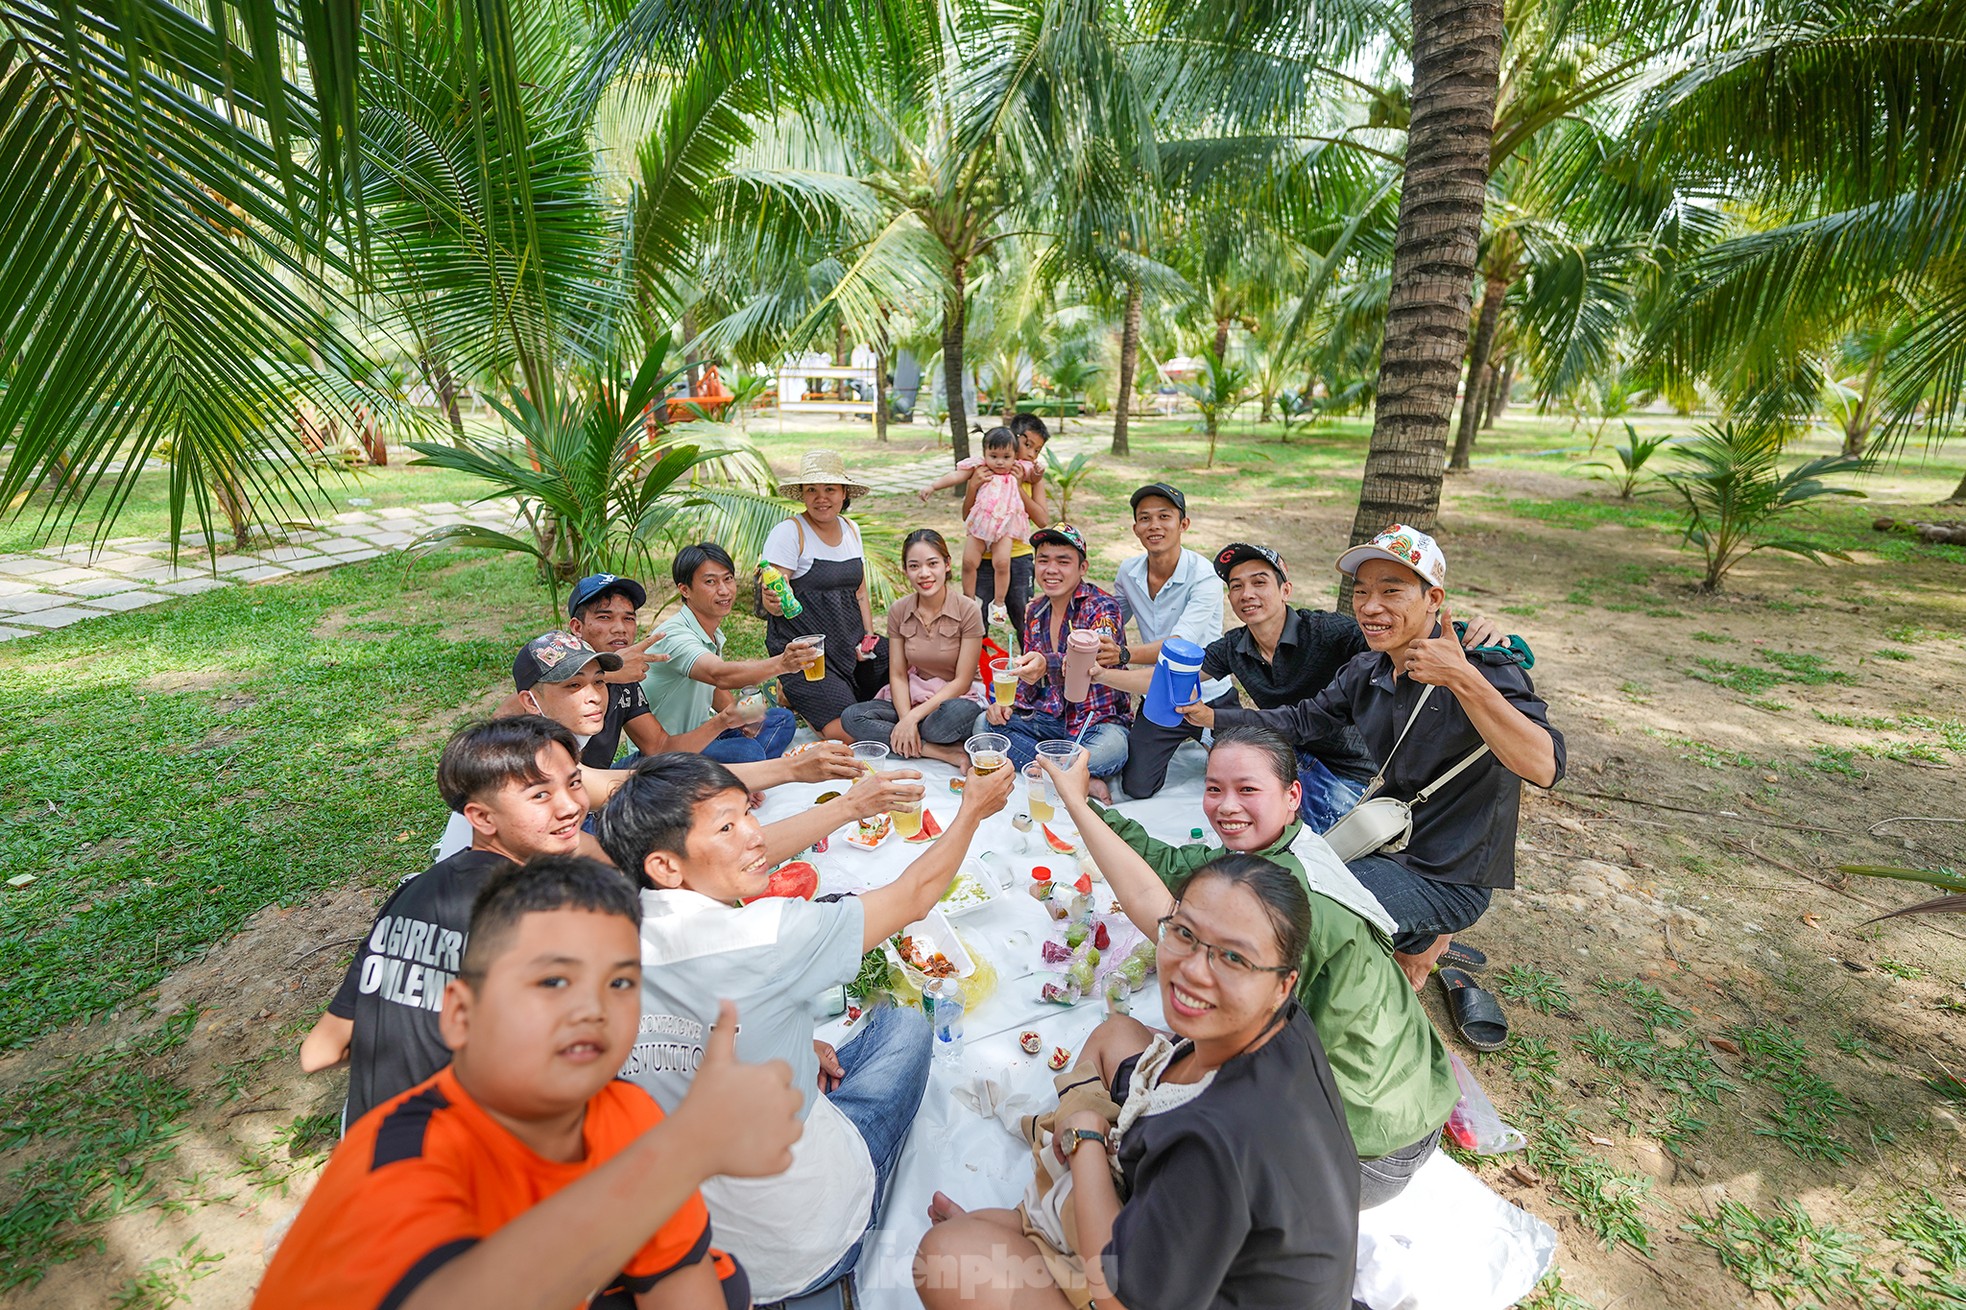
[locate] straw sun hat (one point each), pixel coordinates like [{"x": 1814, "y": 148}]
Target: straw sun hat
[{"x": 818, "y": 468}]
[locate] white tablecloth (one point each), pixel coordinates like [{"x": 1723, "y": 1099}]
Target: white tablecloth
[{"x": 1448, "y": 1241}]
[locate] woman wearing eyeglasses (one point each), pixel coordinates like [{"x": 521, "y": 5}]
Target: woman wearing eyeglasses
[
  {"x": 1209, "y": 1168},
  {"x": 1390, "y": 1064}
]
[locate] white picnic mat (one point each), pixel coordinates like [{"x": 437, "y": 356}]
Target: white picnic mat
[{"x": 1448, "y": 1241}]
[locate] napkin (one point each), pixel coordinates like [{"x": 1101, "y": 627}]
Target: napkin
[{"x": 992, "y": 1099}]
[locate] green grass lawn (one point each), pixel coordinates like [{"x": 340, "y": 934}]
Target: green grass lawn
[{"x": 170, "y": 772}]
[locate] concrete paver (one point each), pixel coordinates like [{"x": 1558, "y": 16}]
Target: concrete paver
[
  {"x": 127, "y": 600},
  {"x": 59, "y": 617},
  {"x": 102, "y": 586},
  {"x": 53, "y": 587}
]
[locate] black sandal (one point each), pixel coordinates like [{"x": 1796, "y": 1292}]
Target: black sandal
[
  {"x": 1466, "y": 957},
  {"x": 1477, "y": 1014}
]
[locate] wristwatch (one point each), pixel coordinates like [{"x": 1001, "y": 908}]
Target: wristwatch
[{"x": 1076, "y": 1136}]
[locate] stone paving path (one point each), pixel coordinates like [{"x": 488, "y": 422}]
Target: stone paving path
[{"x": 53, "y": 588}]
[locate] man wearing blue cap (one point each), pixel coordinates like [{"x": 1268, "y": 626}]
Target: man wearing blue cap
[{"x": 601, "y": 611}]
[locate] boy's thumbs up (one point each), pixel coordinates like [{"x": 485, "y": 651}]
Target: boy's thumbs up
[{"x": 746, "y": 1116}]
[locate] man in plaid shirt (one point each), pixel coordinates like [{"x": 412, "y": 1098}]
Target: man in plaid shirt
[{"x": 1041, "y": 712}]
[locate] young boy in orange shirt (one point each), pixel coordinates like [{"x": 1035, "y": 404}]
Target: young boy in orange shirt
[{"x": 525, "y": 1174}]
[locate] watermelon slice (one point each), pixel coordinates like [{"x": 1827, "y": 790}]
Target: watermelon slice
[
  {"x": 797, "y": 880},
  {"x": 930, "y": 829},
  {"x": 1058, "y": 843}
]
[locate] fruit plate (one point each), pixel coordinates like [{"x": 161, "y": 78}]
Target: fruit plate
[{"x": 866, "y": 838}]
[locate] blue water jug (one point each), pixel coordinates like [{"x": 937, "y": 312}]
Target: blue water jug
[{"x": 1177, "y": 681}]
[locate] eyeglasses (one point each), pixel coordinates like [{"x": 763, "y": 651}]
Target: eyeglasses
[{"x": 1181, "y": 942}]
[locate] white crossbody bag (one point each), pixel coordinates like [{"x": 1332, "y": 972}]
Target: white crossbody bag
[{"x": 1382, "y": 824}]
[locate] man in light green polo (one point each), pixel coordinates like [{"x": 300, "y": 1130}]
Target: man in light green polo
[{"x": 697, "y": 680}]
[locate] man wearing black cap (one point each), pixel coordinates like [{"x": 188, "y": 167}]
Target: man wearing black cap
[
  {"x": 1168, "y": 592},
  {"x": 601, "y": 612}
]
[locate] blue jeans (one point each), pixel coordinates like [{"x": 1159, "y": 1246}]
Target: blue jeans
[
  {"x": 1327, "y": 797},
  {"x": 886, "y": 1072},
  {"x": 1424, "y": 908},
  {"x": 945, "y": 725},
  {"x": 734, "y": 746},
  {"x": 1105, "y": 743}
]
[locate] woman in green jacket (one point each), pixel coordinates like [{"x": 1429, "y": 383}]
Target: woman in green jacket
[{"x": 1390, "y": 1065}]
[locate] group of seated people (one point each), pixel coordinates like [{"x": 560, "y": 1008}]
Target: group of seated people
[{"x": 580, "y": 1047}]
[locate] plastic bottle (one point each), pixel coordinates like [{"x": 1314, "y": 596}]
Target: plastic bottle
[
  {"x": 1194, "y": 834},
  {"x": 775, "y": 582},
  {"x": 944, "y": 1003}
]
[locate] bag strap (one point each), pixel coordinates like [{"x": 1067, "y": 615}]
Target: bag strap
[
  {"x": 1379, "y": 779},
  {"x": 1451, "y": 774}
]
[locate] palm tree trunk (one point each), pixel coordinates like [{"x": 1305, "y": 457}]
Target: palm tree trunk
[
  {"x": 1958, "y": 495},
  {"x": 1129, "y": 362},
  {"x": 445, "y": 386},
  {"x": 1856, "y": 432},
  {"x": 953, "y": 312},
  {"x": 1457, "y": 48},
  {"x": 692, "y": 362},
  {"x": 1498, "y": 394},
  {"x": 1486, "y": 321},
  {"x": 880, "y": 394}
]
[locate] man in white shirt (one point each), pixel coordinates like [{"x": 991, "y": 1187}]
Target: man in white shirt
[
  {"x": 1168, "y": 592},
  {"x": 683, "y": 823}
]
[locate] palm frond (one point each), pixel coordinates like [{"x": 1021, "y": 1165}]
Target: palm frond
[{"x": 146, "y": 208}]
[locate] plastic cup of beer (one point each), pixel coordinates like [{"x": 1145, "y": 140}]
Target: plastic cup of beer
[
  {"x": 1003, "y": 682},
  {"x": 988, "y": 752},
  {"x": 1037, "y": 793},
  {"x": 751, "y": 703},
  {"x": 815, "y": 671},
  {"x": 870, "y": 754},
  {"x": 1063, "y": 754},
  {"x": 907, "y": 818}
]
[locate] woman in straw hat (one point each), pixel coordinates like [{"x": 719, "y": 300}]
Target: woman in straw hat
[{"x": 819, "y": 551}]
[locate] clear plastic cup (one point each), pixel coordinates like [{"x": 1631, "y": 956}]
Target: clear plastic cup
[
  {"x": 1003, "y": 682},
  {"x": 988, "y": 752},
  {"x": 815, "y": 671},
  {"x": 1038, "y": 794},
  {"x": 870, "y": 754}
]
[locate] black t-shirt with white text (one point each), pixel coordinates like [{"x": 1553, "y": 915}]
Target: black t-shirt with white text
[
  {"x": 626, "y": 701},
  {"x": 394, "y": 987}
]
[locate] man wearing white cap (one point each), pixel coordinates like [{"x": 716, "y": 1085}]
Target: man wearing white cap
[{"x": 1492, "y": 724}]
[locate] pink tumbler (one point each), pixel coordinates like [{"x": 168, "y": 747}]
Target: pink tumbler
[{"x": 1081, "y": 655}]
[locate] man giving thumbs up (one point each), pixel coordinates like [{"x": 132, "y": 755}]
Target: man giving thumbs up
[{"x": 1463, "y": 842}]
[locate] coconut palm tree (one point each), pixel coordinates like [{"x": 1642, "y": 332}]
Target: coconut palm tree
[
  {"x": 167, "y": 270},
  {"x": 1839, "y": 128}
]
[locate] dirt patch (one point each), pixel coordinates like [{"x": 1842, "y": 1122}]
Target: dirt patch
[
  {"x": 341, "y": 624},
  {"x": 239, "y": 1164},
  {"x": 189, "y": 680}
]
